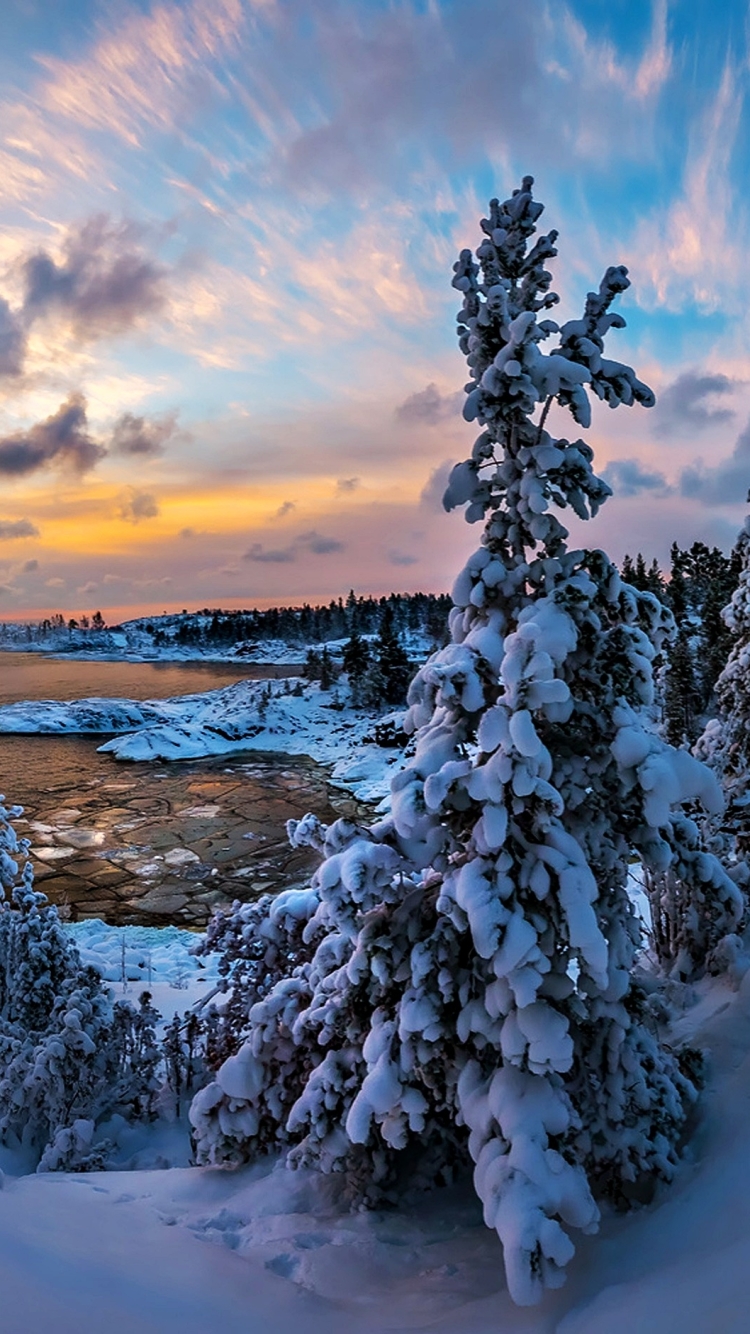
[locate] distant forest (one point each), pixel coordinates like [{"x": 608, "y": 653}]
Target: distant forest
[
  {"x": 696, "y": 588},
  {"x": 422, "y": 614}
]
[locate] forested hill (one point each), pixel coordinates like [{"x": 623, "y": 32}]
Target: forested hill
[{"x": 419, "y": 618}]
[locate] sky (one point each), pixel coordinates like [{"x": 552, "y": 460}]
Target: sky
[{"x": 228, "y": 367}]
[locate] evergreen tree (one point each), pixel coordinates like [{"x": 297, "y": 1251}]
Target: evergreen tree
[
  {"x": 628, "y": 570},
  {"x": 726, "y": 740},
  {"x": 460, "y": 973},
  {"x": 682, "y": 692},
  {"x": 648, "y": 579},
  {"x": 386, "y": 680},
  {"x": 328, "y": 670},
  {"x": 715, "y": 637},
  {"x": 355, "y": 661},
  {"x": 677, "y": 589},
  {"x": 68, "y": 1059}
]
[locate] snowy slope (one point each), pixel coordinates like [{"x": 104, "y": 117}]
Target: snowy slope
[{"x": 266, "y": 1251}]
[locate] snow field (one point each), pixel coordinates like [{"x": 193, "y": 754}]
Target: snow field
[{"x": 121, "y": 1253}]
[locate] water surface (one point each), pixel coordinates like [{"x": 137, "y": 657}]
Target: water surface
[
  {"x": 39, "y": 676},
  {"x": 152, "y": 843}
]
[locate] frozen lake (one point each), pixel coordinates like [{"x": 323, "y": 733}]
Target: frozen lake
[{"x": 152, "y": 843}]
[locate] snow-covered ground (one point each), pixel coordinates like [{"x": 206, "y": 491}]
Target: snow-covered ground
[
  {"x": 147, "y": 958},
  {"x": 251, "y": 715},
  {"x": 267, "y": 1251}
]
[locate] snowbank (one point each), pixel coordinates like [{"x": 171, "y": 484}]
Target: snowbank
[
  {"x": 148, "y": 954},
  {"x": 147, "y": 958}
]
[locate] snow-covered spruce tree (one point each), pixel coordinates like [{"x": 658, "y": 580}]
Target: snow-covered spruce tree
[
  {"x": 464, "y": 981},
  {"x": 725, "y": 743}
]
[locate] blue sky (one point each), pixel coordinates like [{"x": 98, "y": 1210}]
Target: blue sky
[{"x": 227, "y": 363}]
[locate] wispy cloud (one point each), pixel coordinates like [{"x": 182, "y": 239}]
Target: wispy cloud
[
  {"x": 599, "y": 60},
  {"x": 140, "y": 72},
  {"x": 692, "y": 249},
  {"x": 655, "y": 64}
]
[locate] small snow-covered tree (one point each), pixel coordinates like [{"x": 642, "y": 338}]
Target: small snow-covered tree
[
  {"x": 460, "y": 980},
  {"x": 68, "y": 1057}
]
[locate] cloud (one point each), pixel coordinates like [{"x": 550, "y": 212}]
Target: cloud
[
  {"x": 280, "y": 556},
  {"x": 30, "y": 566},
  {"x": 402, "y": 558},
  {"x": 285, "y": 509},
  {"x": 628, "y": 477},
  {"x": 691, "y": 251},
  {"x": 683, "y": 403},
  {"x": 141, "y": 436},
  {"x": 13, "y": 528},
  {"x": 89, "y": 587},
  {"x": 54, "y": 583},
  {"x": 134, "y": 505},
  {"x": 187, "y": 533},
  {"x": 145, "y": 70},
  {"x": 313, "y": 542},
  {"x": 12, "y": 341},
  {"x": 390, "y": 79},
  {"x": 318, "y": 545},
  {"x": 345, "y": 485},
  {"x": 429, "y": 406},
  {"x": 436, "y": 485},
  {"x": 61, "y": 438},
  {"x": 725, "y": 484},
  {"x": 103, "y": 281}
]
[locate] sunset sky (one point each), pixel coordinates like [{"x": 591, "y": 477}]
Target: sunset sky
[{"x": 228, "y": 370}]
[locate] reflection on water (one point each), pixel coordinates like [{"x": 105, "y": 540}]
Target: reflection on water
[
  {"x": 36, "y": 676},
  {"x": 154, "y": 843}
]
